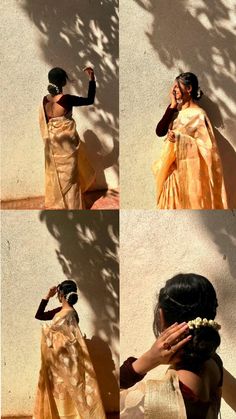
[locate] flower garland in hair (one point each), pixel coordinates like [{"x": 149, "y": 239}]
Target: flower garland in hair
[
  {"x": 56, "y": 87},
  {"x": 198, "y": 322},
  {"x": 69, "y": 294}
]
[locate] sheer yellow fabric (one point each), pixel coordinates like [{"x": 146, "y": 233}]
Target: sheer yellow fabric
[
  {"x": 189, "y": 173},
  {"x": 158, "y": 399},
  {"x": 154, "y": 399},
  {"x": 68, "y": 172},
  {"x": 67, "y": 387}
]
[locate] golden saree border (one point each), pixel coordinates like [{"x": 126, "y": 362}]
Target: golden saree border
[
  {"x": 154, "y": 399},
  {"x": 163, "y": 398}
]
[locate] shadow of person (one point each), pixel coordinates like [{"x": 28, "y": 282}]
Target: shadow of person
[
  {"x": 226, "y": 150},
  {"x": 104, "y": 366},
  {"x": 229, "y": 389},
  {"x": 96, "y": 156},
  {"x": 101, "y": 159}
]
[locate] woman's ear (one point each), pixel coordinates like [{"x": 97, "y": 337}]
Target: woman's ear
[{"x": 189, "y": 89}]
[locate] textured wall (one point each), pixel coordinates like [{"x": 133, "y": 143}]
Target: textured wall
[
  {"x": 35, "y": 37},
  {"x": 39, "y": 251},
  {"x": 158, "y": 40},
  {"x": 157, "y": 245}
]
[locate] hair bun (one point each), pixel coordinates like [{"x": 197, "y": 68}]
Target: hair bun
[
  {"x": 72, "y": 298},
  {"x": 205, "y": 340},
  {"x": 53, "y": 89}
]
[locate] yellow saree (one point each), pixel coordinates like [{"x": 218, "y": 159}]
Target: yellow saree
[
  {"x": 159, "y": 399},
  {"x": 67, "y": 387},
  {"x": 67, "y": 171},
  {"x": 189, "y": 173}
]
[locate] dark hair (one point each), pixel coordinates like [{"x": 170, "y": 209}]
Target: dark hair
[
  {"x": 66, "y": 287},
  {"x": 190, "y": 79},
  {"x": 186, "y": 297},
  {"x": 58, "y": 77}
]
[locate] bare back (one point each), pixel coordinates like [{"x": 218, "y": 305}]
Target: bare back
[{"x": 52, "y": 108}]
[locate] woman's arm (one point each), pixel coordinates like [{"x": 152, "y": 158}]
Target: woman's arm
[
  {"x": 89, "y": 100},
  {"x": 45, "y": 315},
  {"x": 41, "y": 314},
  {"x": 163, "y": 351},
  {"x": 163, "y": 125}
]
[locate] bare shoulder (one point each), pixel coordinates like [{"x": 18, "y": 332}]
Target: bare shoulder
[{"x": 205, "y": 383}]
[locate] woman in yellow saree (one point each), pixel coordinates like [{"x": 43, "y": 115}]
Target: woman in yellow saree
[
  {"x": 189, "y": 172},
  {"x": 192, "y": 386},
  {"x": 67, "y": 387},
  {"x": 67, "y": 170}
]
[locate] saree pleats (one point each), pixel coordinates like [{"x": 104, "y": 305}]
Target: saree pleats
[
  {"x": 68, "y": 172},
  {"x": 189, "y": 173},
  {"x": 67, "y": 387}
]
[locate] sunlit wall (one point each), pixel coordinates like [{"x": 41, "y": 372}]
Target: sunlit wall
[
  {"x": 154, "y": 247},
  {"x": 35, "y": 37},
  {"x": 158, "y": 40},
  {"x": 39, "y": 250}
]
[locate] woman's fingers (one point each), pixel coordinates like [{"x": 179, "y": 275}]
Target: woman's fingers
[
  {"x": 175, "y": 330},
  {"x": 181, "y": 343},
  {"x": 171, "y": 136},
  {"x": 88, "y": 69}
]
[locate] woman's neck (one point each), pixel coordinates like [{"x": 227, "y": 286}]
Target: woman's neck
[
  {"x": 66, "y": 305},
  {"x": 188, "y": 104}
]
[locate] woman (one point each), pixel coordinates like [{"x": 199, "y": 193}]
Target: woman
[
  {"x": 188, "y": 173},
  {"x": 67, "y": 171},
  {"x": 192, "y": 386},
  {"x": 67, "y": 386}
]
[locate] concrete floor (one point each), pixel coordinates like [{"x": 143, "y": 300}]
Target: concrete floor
[
  {"x": 109, "y": 416},
  {"x": 95, "y": 200}
]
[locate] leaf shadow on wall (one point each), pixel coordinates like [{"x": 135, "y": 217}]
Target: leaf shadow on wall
[
  {"x": 87, "y": 253},
  {"x": 73, "y": 34},
  {"x": 224, "y": 236},
  {"x": 200, "y": 42}
]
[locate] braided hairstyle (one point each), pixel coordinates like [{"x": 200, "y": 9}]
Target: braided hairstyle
[
  {"x": 190, "y": 79},
  {"x": 57, "y": 78},
  {"x": 66, "y": 287},
  {"x": 186, "y": 297}
]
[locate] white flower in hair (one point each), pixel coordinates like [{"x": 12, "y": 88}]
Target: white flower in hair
[
  {"x": 198, "y": 322},
  {"x": 56, "y": 87},
  {"x": 69, "y": 294}
]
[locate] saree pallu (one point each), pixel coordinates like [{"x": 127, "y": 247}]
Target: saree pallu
[
  {"x": 68, "y": 172},
  {"x": 159, "y": 399},
  {"x": 67, "y": 387},
  {"x": 189, "y": 172}
]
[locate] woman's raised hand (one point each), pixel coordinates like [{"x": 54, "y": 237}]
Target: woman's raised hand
[
  {"x": 165, "y": 350},
  {"x": 51, "y": 293},
  {"x": 90, "y": 72},
  {"x": 173, "y": 102}
]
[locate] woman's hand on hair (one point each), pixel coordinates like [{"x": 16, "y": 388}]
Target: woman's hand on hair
[
  {"x": 165, "y": 350},
  {"x": 90, "y": 72},
  {"x": 51, "y": 293},
  {"x": 171, "y": 136}
]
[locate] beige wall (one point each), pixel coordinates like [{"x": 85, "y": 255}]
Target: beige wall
[
  {"x": 157, "y": 245},
  {"x": 40, "y": 250},
  {"x": 35, "y": 37},
  {"x": 158, "y": 40}
]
